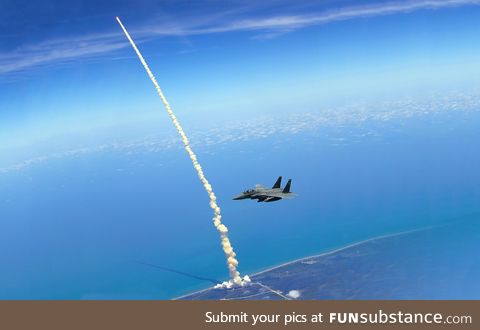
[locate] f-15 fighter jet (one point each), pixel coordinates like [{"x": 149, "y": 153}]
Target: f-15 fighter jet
[{"x": 263, "y": 194}]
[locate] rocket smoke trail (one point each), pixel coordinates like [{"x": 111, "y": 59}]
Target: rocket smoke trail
[{"x": 232, "y": 262}]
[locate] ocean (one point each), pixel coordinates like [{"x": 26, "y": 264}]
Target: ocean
[{"x": 83, "y": 226}]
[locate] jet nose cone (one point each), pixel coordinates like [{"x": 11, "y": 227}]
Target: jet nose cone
[{"x": 238, "y": 197}]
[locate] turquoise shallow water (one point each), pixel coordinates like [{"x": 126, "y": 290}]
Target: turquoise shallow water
[{"x": 76, "y": 228}]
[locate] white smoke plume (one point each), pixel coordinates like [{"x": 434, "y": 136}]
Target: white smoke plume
[
  {"x": 232, "y": 263},
  {"x": 295, "y": 294}
]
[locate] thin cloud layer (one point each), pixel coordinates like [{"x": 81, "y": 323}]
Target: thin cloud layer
[
  {"x": 58, "y": 51},
  {"x": 347, "y": 116},
  {"x": 79, "y": 48}
]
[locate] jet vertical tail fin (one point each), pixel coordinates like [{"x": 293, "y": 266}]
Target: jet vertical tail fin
[
  {"x": 278, "y": 183},
  {"x": 287, "y": 187}
]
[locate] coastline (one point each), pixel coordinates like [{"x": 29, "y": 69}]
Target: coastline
[{"x": 329, "y": 252}]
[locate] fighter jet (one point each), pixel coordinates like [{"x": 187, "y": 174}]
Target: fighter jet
[{"x": 263, "y": 194}]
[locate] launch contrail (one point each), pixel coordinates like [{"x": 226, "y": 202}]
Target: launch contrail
[{"x": 232, "y": 263}]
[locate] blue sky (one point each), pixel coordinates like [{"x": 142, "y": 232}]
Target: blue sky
[{"x": 67, "y": 68}]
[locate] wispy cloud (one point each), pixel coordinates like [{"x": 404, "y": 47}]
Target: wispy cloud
[
  {"x": 292, "y": 22},
  {"x": 338, "y": 126},
  {"x": 71, "y": 49},
  {"x": 279, "y": 24},
  {"x": 58, "y": 50}
]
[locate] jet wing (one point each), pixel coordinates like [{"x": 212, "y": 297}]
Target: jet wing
[{"x": 277, "y": 194}]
